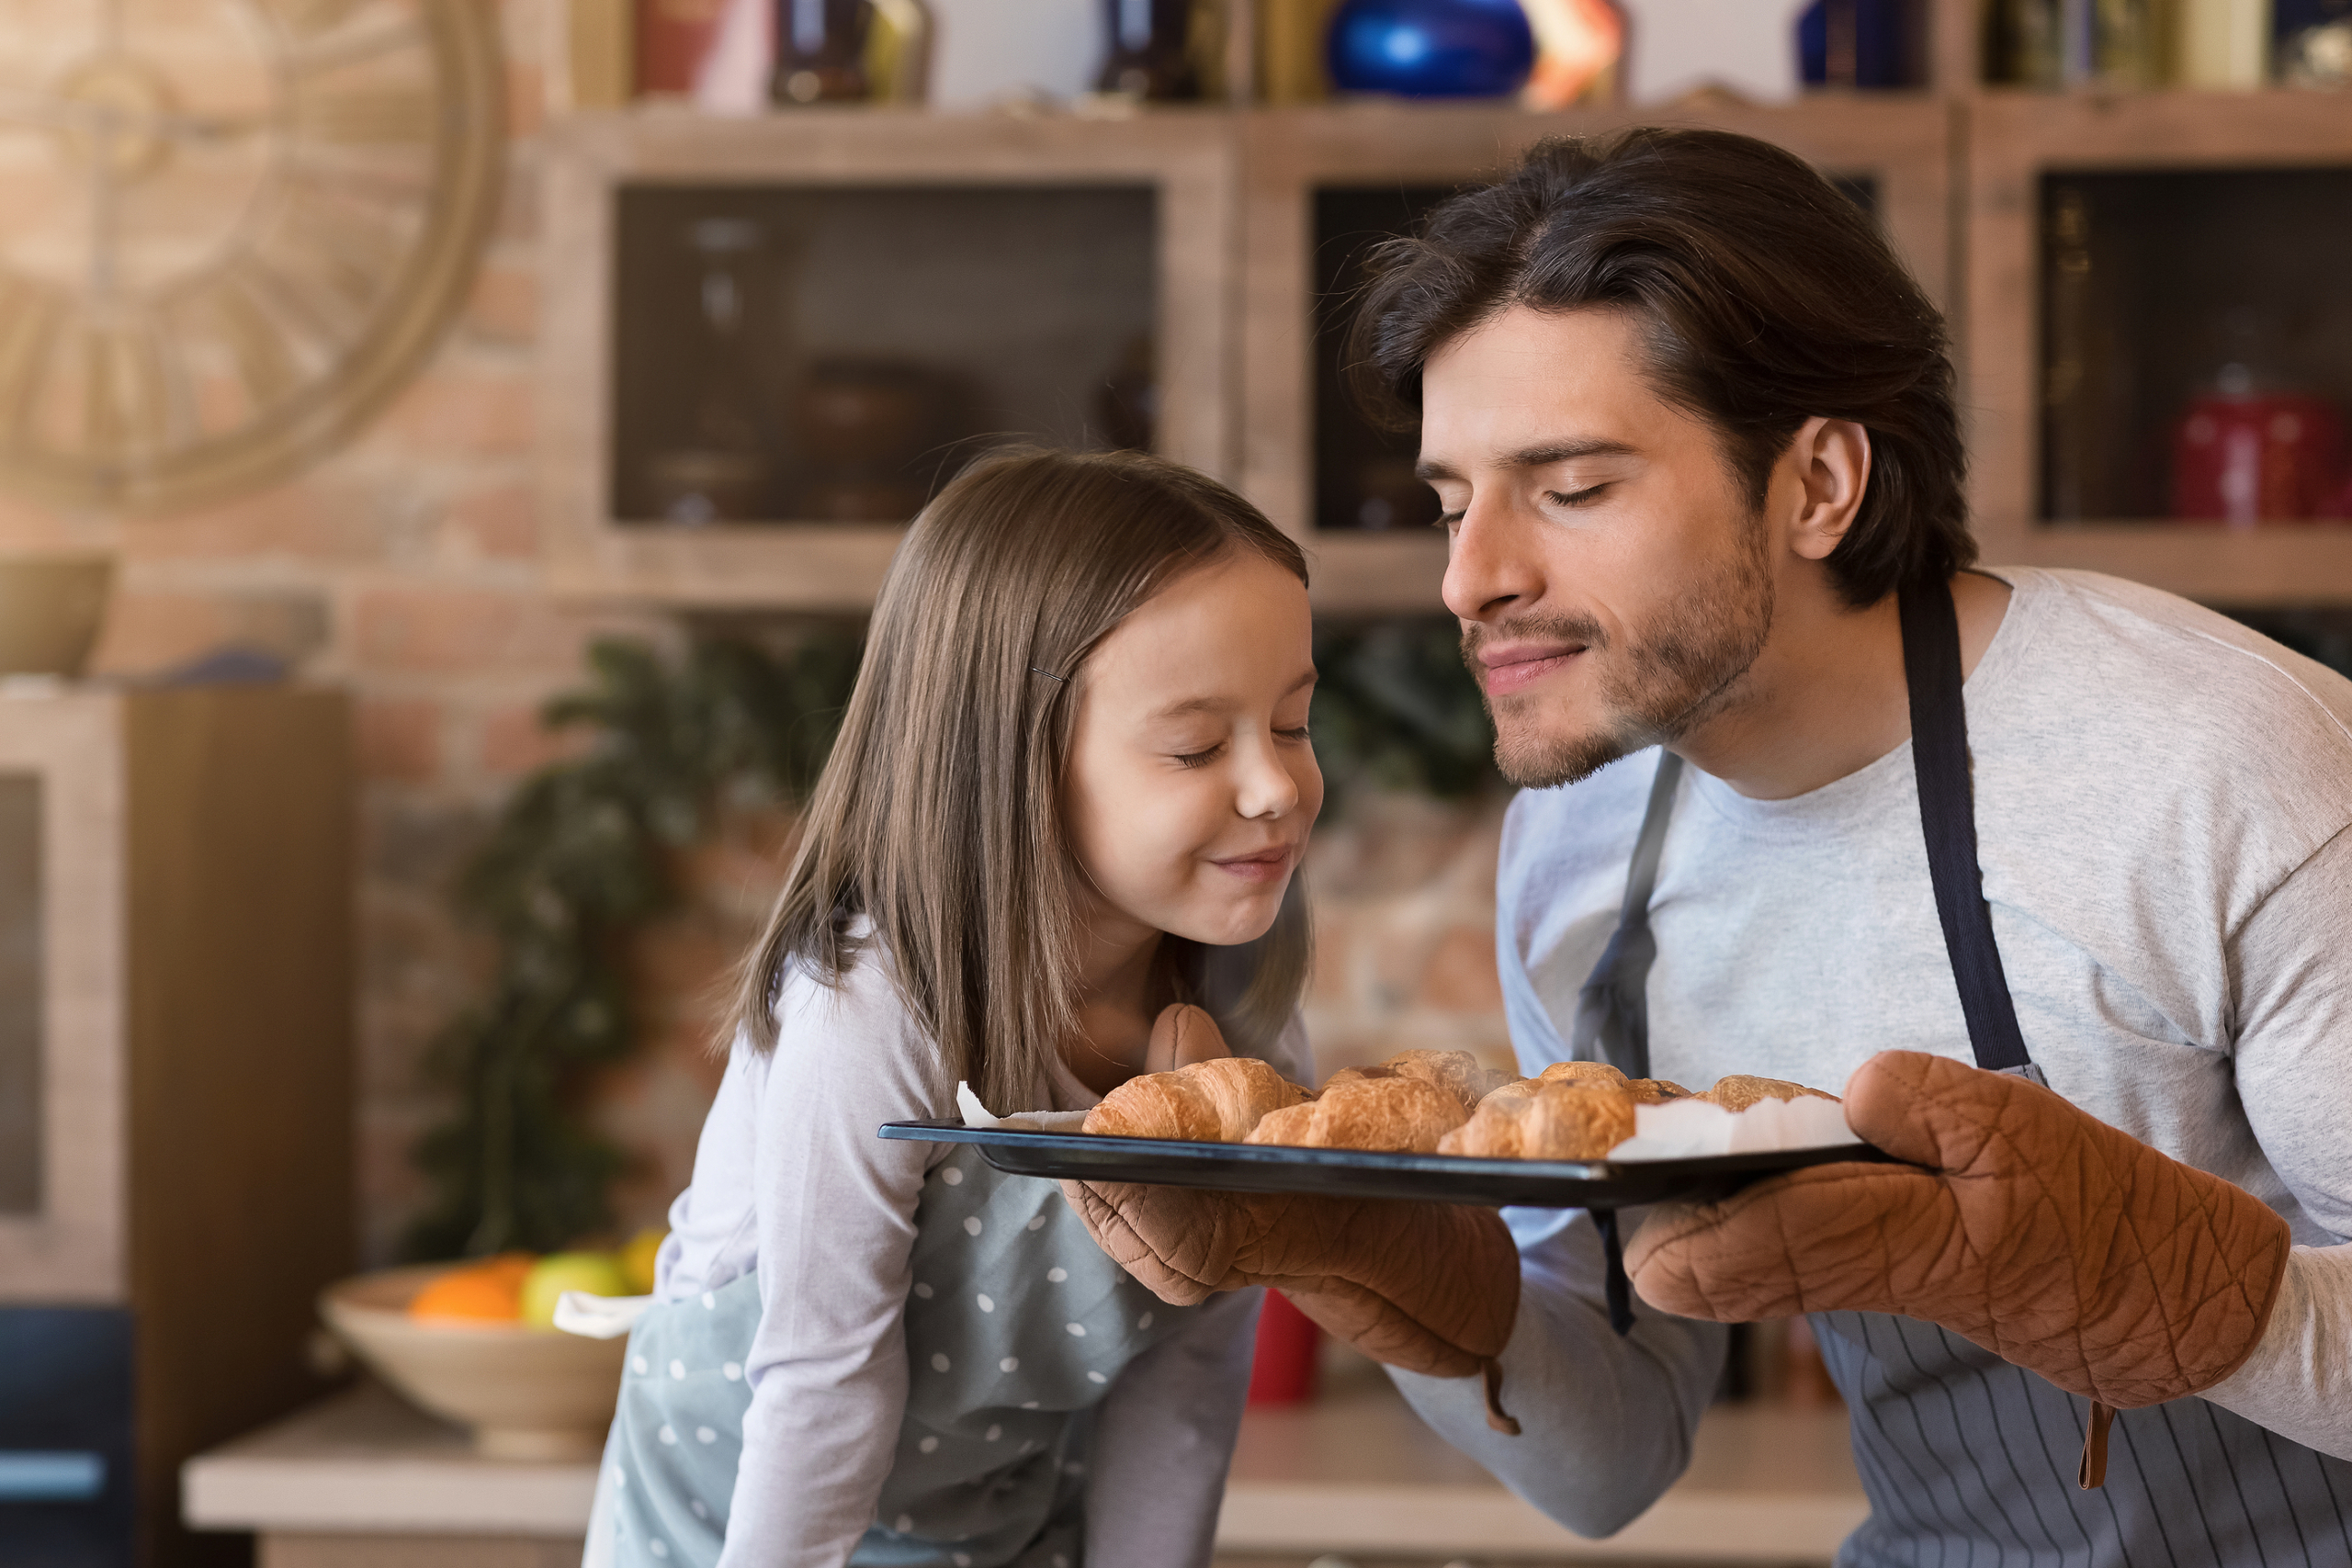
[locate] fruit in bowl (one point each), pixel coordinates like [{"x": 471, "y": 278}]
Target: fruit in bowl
[{"x": 456, "y": 1341}]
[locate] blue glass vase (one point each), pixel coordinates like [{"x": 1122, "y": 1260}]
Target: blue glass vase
[{"x": 1430, "y": 48}]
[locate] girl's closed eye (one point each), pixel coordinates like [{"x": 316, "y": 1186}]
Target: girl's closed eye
[{"x": 1202, "y": 758}]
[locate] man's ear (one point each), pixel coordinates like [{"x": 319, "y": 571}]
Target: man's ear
[{"x": 1832, "y": 460}]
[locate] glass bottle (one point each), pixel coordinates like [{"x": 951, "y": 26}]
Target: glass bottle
[
  {"x": 1148, "y": 56},
  {"x": 820, "y": 51},
  {"x": 721, "y": 469}
]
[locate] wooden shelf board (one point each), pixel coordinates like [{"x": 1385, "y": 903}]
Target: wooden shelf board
[{"x": 2278, "y": 565}]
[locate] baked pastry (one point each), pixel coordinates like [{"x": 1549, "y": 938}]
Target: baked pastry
[
  {"x": 1395, "y": 1113},
  {"x": 1740, "y": 1090},
  {"x": 1569, "y": 1118},
  {"x": 1655, "y": 1091},
  {"x": 1456, "y": 1072},
  {"x": 1569, "y": 1072},
  {"x": 1217, "y": 1101}
]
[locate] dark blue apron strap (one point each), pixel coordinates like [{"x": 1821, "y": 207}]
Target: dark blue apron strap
[
  {"x": 1612, "y": 1010},
  {"x": 1612, "y": 1022},
  {"x": 1948, "y": 817}
]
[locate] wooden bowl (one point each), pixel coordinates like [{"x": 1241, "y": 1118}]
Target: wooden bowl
[
  {"x": 51, "y": 608},
  {"x": 528, "y": 1394}
]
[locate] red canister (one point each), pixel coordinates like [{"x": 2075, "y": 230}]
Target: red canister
[
  {"x": 2257, "y": 457},
  {"x": 1283, "y": 1373}
]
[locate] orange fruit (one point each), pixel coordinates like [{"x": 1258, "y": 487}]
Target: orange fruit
[{"x": 488, "y": 1292}]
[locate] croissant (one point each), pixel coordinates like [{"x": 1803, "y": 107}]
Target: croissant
[
  {"x": 1655, "y": 1091},
  {"x": 1573, "y": 1118},
  {"x": 1456, "y": 1072},
  {"x": 1739, "y": 1091},
  {"x": 1213, "y": 1101},
  {"x": 1397, "y": 1113},
  {"x": 1571, "y": 1072}
]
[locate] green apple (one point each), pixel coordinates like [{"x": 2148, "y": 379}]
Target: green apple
[{"x": 593, "y": 1272}]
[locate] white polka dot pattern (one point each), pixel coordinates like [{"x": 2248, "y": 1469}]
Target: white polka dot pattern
[
  {"x": 733, "y": 1371},
  {"x": 939, "y": 1362},
  {"x": 928, "y": 1446},
  {"x": 972, "y": 1225},
  {"x": 678, "y": 1371},
  {"x": 705, "y": 1435},
  {"x": 1075, "y": 1330},
  {"x": 1010, "y": 1364},
  {"x": 987, "y": 1302},
  {"x": 668, "y": 1434},
  {"x": 922, "y": 1292},
  {"x": 1056, "y": 1276}
]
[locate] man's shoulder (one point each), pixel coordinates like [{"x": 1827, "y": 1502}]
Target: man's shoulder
[{"x": 2149, "y": 680}]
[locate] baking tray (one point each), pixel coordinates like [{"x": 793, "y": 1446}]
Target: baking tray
[{"x": 1359, "y": 1173}]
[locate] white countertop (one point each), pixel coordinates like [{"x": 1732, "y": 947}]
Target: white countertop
[{"x": 1354, "y": 1471}]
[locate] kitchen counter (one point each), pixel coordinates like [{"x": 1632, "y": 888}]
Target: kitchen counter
[{"x": 363, "y": 1481}]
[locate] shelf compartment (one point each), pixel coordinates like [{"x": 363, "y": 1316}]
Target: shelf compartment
[
  {"x": 2047, "y": 476},
  {"x": 1293, "y": 161},
  {"x": 920, "y": 194}
]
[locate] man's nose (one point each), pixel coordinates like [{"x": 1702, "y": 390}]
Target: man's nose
[{"x": 1490, "y": 566}]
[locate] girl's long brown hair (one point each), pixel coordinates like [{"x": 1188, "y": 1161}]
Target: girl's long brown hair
[{"x": 938, "y": 813}]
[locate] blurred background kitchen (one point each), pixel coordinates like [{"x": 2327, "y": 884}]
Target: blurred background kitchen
[{"x": 447, "y": 448}]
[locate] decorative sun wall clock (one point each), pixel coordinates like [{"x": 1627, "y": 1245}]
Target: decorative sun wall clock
[{"x": 229, "y": 230}]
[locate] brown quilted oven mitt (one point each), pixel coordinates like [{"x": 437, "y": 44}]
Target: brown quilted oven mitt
[
  {"x": 2036, "y": 1231},
  {"x": 1422, "y": 1286}
]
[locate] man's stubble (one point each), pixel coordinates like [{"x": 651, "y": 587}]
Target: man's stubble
[{"x": 1668, "y": 678}]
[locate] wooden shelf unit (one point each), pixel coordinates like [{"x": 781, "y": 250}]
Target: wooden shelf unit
[{"x": 1955, "y": 168}]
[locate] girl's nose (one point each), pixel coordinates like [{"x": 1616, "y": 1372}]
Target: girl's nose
[{"x": 1266, "y": 787}]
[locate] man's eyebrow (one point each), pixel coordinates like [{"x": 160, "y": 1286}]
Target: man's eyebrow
[
  {"x": 1214, "y": 705},
  {"x": 1537, "y": 456}
]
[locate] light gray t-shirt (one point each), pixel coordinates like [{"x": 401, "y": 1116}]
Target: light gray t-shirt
[{"x": 2160, "y": 796}]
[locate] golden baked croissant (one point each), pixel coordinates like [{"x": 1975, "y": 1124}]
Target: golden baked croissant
[
  {"x": 1571, "y": 1119},
  {"x": 1655, "y": 1091},
  {"x": 1570, "y": 1072},
  {"x": 1456, "y": 1072},
  {"x": 1214, "y": 1102},
  {"x": 1740, "y": 1090},
  {"x": 1397, "y": 1113}
]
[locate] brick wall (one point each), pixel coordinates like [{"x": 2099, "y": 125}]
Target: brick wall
[{"x": 406, "y": 568}]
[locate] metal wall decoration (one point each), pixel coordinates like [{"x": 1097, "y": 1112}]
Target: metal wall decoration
[{"x": 236, "y": 228}]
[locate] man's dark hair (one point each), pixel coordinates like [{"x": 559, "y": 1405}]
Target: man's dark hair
[{"x": 1767, "y": 298}]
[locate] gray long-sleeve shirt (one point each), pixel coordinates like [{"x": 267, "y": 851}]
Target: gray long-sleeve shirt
[{"x": 2161, "y": 803}]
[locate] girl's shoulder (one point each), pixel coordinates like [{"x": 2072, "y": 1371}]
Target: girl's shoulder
[{"x": 853, "y": 1035}]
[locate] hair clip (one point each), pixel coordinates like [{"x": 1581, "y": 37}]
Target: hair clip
[{"x": 1048, "y": 674}]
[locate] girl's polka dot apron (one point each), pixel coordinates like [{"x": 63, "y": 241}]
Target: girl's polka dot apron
[{"x": 1017, "y": 1327}]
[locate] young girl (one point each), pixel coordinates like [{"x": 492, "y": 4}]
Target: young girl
[{"x": 1070, "y": 791}]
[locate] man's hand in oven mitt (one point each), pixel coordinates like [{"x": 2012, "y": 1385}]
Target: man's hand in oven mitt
[
  {"x": 2035, "y": 1231},
  {"x": 1425, "y": 1287}
]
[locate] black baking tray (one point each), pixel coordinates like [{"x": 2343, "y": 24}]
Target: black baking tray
[{"x": 1359, "y": 1173}]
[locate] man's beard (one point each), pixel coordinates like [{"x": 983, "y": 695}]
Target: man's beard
[{"x": 1668, "y": 678}]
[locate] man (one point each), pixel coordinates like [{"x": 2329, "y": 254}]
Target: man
[{"x": 1692, "y": 429}]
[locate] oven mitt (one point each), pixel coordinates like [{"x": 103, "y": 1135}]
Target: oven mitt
[
  {"x": 1430, "y": 1288},
  {"x": 2035, "y": 1231}
]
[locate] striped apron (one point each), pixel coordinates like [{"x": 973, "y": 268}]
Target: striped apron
[{"x": 1969, "y": 1460}]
